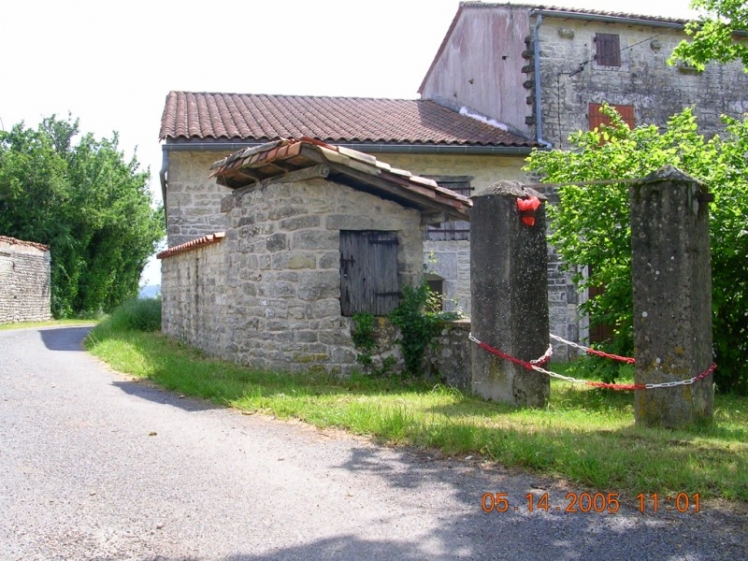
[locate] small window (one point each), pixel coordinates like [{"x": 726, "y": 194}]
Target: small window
[
  {"x": 596, "y": 118},
  {"x": 436, "y": 286},
  {"x": 457, "y": 229},
  {"x": 368, "y": 272},
  {"x": 608, "y": 49}
]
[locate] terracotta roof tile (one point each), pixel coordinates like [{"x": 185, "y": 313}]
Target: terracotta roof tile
[
  {"x": 261, "y": 118},
  {"x": 246, "y": 166},
  {"x": 14, "y": 241},
  {"x": 192, "y": 245}
]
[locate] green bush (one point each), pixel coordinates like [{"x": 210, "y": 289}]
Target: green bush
[
  {"x": 592, "y": 228},
  {"x": 137, "y": 315}
]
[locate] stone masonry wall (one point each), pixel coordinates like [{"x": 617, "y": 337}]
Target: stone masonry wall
[
  {"x": 193, "y": 300},
  {"x": 193, "y": 200},
  {"x": 268, "y": 296},
  {"x": 25, "y": 281},
  {"x": 451, "y": 259},
  {"x": 645, "y": 80}
]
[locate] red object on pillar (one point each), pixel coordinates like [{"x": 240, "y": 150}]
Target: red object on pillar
[{"x": 527, "y": 208}]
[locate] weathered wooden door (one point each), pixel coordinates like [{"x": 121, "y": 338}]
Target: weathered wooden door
[{"x": 368, "y": 272}]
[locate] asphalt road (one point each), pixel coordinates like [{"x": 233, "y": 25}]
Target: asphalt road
[{"x": 94, "y": 465}]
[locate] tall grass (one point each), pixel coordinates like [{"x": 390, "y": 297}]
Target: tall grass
[{"x": 585, "y": 435}]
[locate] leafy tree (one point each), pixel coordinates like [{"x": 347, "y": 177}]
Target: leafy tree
[
  {"x": 591, "y": 225},
  {"x": 714, "y": 34},
  {"x": 87, "y": 203}
]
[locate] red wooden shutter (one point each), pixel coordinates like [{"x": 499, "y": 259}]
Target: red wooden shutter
[{"x": 596, "y": 118}]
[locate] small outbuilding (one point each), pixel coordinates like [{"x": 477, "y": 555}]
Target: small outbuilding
[{"x": 316, "y": 233}]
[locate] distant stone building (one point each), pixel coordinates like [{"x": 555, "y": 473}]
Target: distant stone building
[
  {"x": 545, "y": 71},
  {"x": 25, "y": 281}
]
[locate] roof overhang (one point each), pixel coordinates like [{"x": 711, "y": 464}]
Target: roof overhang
[
  {"x": 293, "y": 160},
  {"x": 232, "y": 145}
]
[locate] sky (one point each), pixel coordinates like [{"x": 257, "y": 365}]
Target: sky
[{"x": 111, "y": 64}]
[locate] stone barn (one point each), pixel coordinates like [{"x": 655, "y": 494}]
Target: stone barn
[
  {"x": 315, "y": 234},
  {"x": 25, "y": 281}
]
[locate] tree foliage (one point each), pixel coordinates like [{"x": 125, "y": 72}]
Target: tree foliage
[
  {"x": 713, "y": 34},
  {"x": 592, "y": 227},
  {"x": 87, "y": 203}
]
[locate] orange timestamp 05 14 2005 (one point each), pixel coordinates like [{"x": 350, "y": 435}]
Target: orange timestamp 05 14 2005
[{"x": 585, "y": 502}]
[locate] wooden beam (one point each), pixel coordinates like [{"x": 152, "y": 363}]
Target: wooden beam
[
  {"x": 396, "y": 191},
  {"x": 300, "y": 175}
]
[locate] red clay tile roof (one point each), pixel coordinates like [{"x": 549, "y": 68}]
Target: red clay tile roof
[
  {"x": 356, "y": 169},
  {"x": 263, "y": 118},
  {"x": 14, "y": 241},
  {"x": 192, "y": 244}
]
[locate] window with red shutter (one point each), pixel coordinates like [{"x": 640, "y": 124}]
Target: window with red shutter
[
  {"x": 596, "y": 118},
  {"x": 608, "y": 49}
]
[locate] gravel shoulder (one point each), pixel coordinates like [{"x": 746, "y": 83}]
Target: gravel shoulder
[{"x": 95, "y": 465}]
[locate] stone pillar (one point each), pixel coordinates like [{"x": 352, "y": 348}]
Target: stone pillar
[
  {"x": 672, "y": 285},
  {"x": 509, "y": 293}
]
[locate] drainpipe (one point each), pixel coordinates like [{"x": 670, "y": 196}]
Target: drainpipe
[
  {"x": 536, "y": 61},
  {"x": 162, "y": 175}
]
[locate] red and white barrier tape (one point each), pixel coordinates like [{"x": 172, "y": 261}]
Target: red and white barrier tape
[
  {"x": 533, "y": 365},
  {"x": 592, "y": 351}
]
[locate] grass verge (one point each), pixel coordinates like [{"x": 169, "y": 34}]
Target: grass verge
[
  {"x": 49, "y": 323},
  {"x": 585, "y": 435}
]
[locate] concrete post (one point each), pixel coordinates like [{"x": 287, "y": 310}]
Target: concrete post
[
  {"x": 509, "y": 292},
  {"x": 672, "y": 286}
]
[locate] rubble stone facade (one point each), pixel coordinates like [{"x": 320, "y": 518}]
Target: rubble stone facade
[
  {"x": 25, "y": 281},
  {"x": 268, "y": 295}
]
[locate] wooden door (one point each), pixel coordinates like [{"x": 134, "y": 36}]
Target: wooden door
[{"x": 368, "y": 272}]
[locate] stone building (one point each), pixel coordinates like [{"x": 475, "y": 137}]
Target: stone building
[
  {"x": 544, "y": 72},
  {"x": 461, "y": 150},
  {"x": 313, "y": 234},
  {"x": 25, "y": 281}
]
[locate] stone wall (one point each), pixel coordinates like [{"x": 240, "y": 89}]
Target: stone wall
[
  {"x": 645, "y": 80},
  {"x": 194, "y": 306},
  {"x": 451, "y": 259},
  {"x": 449, "y": 360},
  {"x": 193, "y": 200},
  {"x": 25, "y": 281},
  {"x": 193, "y": 204},
  {"x": 268, "y": 296}
]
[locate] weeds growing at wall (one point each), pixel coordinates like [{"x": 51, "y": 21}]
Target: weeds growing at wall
[
  {"x": 135, "y": 314},
  {"x": 419, "y": 324}
]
